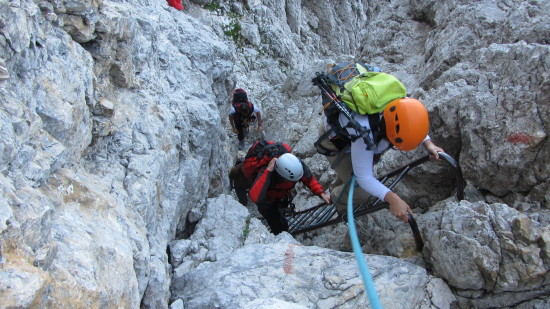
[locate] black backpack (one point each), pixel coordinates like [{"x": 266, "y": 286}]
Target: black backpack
[
  {"x": 263, "y": 148},
  {"x": 241, "y": 104},
  {"x": 260, "y": 154},
  {"x": 243, "y": 109}
]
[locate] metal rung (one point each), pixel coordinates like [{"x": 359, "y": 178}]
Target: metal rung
[{"x": 324, "y": 215}]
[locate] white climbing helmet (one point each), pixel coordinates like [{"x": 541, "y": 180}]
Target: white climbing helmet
[{"x": 289, "y": 167}]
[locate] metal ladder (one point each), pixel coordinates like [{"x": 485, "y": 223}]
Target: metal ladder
[{"x": 324, "y": 215}]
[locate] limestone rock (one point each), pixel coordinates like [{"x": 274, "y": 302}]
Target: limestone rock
[
  {"x": 114, "y": 143},
  {"x": 493, "y": 248},
  {"x": 303, "y": 276}
]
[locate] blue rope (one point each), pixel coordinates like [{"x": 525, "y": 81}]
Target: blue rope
[{"x": 362, "y": 263}]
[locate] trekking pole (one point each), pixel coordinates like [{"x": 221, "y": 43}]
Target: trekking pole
[{"x": 364, "y": 133}]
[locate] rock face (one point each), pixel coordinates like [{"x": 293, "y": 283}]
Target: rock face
[
  {"x": 225, "y": 264},
  {"x": 115, "y": 148},
  {"x": 285, "y": 270},
  {"x": 494, "y": 247},
  {"x": 105, "y": 119}
]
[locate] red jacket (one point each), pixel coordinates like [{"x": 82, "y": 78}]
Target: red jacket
[
  {"x": 252, "y": 165},
  {"x": 175, "y": 4},
  {"x": 269, "y": 186}
]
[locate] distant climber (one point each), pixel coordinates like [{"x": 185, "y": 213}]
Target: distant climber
[
  {"x": 271, "y": 188},
  {"x": 175, "y": 4},
  {"x": 242, "y": 114}
]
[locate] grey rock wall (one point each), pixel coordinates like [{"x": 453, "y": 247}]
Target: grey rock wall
[
  {"x": 232, "y": 261},
  {"x": 110, "y": 135},
  {"x": 115, "y": 146},
  {"x": 494, "y": 247}
]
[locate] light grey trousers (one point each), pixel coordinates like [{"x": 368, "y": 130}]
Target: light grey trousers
[{"x": 339, "y": 188}]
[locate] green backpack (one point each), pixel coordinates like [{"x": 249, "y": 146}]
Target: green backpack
[
  {"x": 364, "y": 90},
  {"x": 358, "y": 87}
]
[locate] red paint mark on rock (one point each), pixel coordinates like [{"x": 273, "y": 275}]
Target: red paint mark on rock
[
  {"x": 520, "y": 138},
  {"x": 289, "y": 260}
]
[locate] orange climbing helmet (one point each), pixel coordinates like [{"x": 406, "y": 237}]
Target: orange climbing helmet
[{"x": 407, "y": 123}]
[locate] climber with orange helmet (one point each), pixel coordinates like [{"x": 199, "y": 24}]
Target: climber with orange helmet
[
  {"x": 406, "y": 128},
  {"x": 403, "y": 123}
]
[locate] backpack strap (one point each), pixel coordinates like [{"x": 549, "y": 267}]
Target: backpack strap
[
  {"x": 322, "y": 149},
  {"x": 378, "y": 127},
  {"x": 240, "y": 107}
]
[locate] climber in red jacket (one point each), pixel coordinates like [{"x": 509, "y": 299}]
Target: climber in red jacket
[{"x": 272, "y": 186}]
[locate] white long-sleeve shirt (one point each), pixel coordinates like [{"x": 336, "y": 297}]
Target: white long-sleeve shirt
[{"x": 362, "y": 159}]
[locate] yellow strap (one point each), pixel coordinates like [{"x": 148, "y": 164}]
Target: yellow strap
[{"x": 325, "y": 107}]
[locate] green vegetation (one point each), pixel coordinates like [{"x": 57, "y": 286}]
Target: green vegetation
[
  {"x": 213, "y": 6},
  {"x": 247, "y": 227},
  {"x": 233, "y": 30}
]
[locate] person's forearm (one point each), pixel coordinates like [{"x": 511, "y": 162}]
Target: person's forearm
[
  {"x": 392, "y": 198},
  {"x": 398, "y": 207},
  {"x": 432, "y": 149},
  {"x": 259, "y": 116},
  {"x": 260, "y": 185},
  {"x": 428, "y": 143}
]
